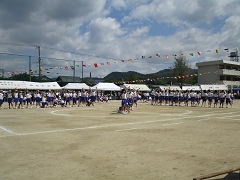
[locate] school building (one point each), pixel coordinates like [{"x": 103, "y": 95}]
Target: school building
[{"x": 219, "y": 72}]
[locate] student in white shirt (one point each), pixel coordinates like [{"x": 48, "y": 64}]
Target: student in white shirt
[{"x": 1, "y": 99}]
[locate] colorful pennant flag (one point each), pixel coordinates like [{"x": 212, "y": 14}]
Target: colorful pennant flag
[
  {"x": 108, "y": 63},
  {"x": 217, "y": 51},
  {"x": 158, "y": 55},
  {"x": 122, "y": 60},
  {"x": 150, "y": 57},
  {"x": 199, "y": 53},
  {"x": 226, "y": 49},
  {"x": 66, "y": 67},
  {"x": 143, "y": 57},
  {"x": 84, "y": 65},
  {"x": 102, "y": 63},
  {"x": 166, "y": 56},
  {"x": 191, "y": 54},
  {"x": 95, "y": 65}
]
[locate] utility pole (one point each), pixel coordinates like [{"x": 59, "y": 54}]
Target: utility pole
[
  {"x": 39, "y": 64},
  {"x": 30, "y": 68},
  {"x": 82, "y": 71},
  {"x": 2, "y": 72},
  {"x": 74, "y": 73}
]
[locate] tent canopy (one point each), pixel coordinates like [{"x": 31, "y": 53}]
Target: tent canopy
[
  {"x": 169, "y": 88},
  {"x": 214, "y": 87},
  {"x": 106, "y": 87},
  {"x": 195, "y": 88},
  {"x": 139, "y": 87},
  {"x": 76, "y": 86},
  {"x": 12, "y": 84},
  {"x": 42, "y": 86},
  {"x": 29, "y": 85}
]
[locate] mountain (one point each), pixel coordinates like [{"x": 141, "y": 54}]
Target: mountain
[{"x": 130, "y": 75}]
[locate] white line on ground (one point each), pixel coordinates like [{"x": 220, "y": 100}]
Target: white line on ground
[
  {"x": 114, "y": 125},
  {"x": 7, "y": 130},
  {"x": 172, "y": 124},
  {"x": 127, "y": 129}
]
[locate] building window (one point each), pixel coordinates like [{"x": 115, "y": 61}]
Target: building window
[
  {"x": 228, "y": 78},
  {"x": 222, "y": 78},
  {"x": 221, "y": 66},
  {"x": 228, "y": 67}
]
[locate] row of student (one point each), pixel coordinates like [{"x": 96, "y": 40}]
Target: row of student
[
  {"x": 19, "y": 99},
  {"x": 203, "y": 98}
]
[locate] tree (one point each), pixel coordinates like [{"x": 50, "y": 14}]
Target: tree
[{"x": 181, "y": 69}]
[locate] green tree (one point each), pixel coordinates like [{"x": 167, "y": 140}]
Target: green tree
[{"x": 181, "y": 69}]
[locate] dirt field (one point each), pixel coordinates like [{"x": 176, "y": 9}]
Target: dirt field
[{"x": 152, "y": 142}]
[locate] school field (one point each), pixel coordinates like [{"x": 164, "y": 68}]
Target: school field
[{"x": 151, "y": 142}]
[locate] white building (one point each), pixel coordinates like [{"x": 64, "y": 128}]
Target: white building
[{"x": 219, "y": 72}]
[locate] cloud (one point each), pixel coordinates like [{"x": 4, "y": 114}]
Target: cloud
[{"x": 101, "y": 31}]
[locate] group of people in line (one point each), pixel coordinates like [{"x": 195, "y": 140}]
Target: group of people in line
[
  {"x": 19, "y": 99},
  {"x": 205, "y": 98}
]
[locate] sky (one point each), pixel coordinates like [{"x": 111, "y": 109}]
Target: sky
[{"x": 114, "y": 34}]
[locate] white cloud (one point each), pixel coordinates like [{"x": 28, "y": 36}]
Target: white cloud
[{"x": 98, "y": 35}]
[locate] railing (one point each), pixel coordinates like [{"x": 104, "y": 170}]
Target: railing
[
  {"x": 218, "y": 174},
  {"x": 231, "y": 72}
]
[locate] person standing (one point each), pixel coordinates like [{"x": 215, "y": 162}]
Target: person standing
[
  {"x": 222, "y": 97},
  {"x": 29, "y": 99},
  {"x": 20, "y": 100},
  {"x": 15, "y": 98},
  {"x": 229, "y": 99},
  {"x": 10, "y": 100},
  {"x": 1, "y": 99}
]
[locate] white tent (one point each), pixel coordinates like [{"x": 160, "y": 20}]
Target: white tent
[
  {"x": 42, "y": 86},
  {"x": 214, "y": 87},
  {"x": 76, "y": 86},
  {"x": 28, "y": 85},
  {"x": 169, "y": 88},
  {"x": 12, "y": 84},
  {"x": 195, "y": 88},
  {"x": 106, "y": 87},
  {"x": 139, "y": 87}
]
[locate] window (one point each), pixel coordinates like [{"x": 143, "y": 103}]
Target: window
[
  {"x": 222, "y": 78},
  {"x": 221, "y": 66},
  {"x": 228, "y": 67},
  {"x": 228, "y": 78}
]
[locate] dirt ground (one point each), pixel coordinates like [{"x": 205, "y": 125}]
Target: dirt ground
[{"x": 151, "y": 142}]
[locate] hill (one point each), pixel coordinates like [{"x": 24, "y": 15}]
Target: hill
[{"x": 131, "y": 75}]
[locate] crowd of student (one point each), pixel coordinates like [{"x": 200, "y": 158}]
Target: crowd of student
[
  {"x": 206, "y": 98},
  {"x": 19, "y": 99}
]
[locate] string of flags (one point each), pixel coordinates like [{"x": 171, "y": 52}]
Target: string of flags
[
  {"x": 154, "y": 79},
  {"x": 96, "y": 65}
]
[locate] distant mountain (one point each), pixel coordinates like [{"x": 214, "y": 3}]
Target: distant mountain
[{"x": 130, "y": 75}]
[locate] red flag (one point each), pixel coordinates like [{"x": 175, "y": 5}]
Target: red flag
[
  {"x": 95, "y": 65},
  {"x": 66, "y": 67},
  {"x": 84, "y": 65}
]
